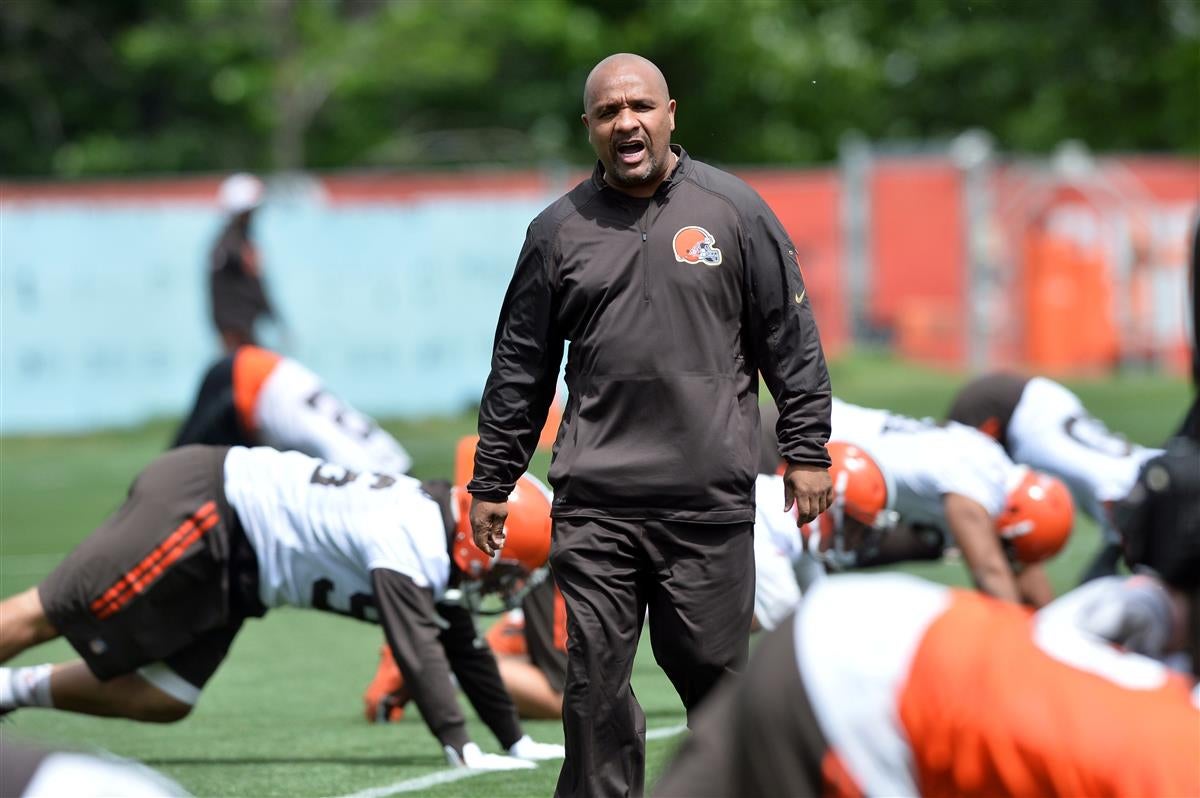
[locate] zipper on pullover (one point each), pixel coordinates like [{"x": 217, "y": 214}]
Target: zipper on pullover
[
  {"x": 645, "y": 269},
  {"x": 648, "y": 217}
]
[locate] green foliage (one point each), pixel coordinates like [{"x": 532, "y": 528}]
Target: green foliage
[{"x": 140, "y": 86}]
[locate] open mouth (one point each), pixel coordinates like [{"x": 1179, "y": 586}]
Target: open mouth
[{"x": 630, "y": 152}]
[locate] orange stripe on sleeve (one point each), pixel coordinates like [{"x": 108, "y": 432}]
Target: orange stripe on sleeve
[
  {"x": 252, "y": 366},
  {"x": 838, "y": 783}
]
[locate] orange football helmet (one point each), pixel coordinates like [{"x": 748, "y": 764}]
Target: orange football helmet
[
  {"x": 860, "y": 484},
  {"x": 527, "y": 531},
  {"x": 1037, "y": 516},
  {"x": 863, "y": 493}
]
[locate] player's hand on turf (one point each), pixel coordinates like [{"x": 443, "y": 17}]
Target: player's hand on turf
[
  {"x": 527, "y": 748},
  {"x": 475, "y": 759},
  {"x": 487, "y": 525},
  {"x": 1135, "y": 614},
  {"x": 809, "y": 488}
]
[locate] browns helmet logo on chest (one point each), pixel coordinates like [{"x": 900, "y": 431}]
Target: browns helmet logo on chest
[{"x": 694, "y": 244}]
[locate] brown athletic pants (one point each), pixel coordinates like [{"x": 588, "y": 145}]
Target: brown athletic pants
[
  {"x": 756, "y": 736},
  {"x": 696, "y": 580}
]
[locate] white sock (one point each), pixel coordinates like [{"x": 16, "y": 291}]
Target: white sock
[{"x": 25, "y": 687}]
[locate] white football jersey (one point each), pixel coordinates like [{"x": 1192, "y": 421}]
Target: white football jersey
[
  {"x": 925, "y": 461},
  {"x": 856, "y": 424},
  {"x": 782, "y": 568},
  {"x": 1051, "y": 431},
  {"x": 320, "y": 529},
  {"x": 295, "y": 412},
  {"x": 772, "y": 524}
]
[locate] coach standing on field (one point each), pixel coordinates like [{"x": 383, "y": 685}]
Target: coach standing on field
[{"x": 675, "y": 285}]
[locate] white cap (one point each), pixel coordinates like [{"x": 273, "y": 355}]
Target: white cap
[{"x": 240, "y": 193}]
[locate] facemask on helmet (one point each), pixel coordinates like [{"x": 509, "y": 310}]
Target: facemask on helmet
[
  {"x": 1037, "y": 517},
  {"x": 861, "y": 511}
]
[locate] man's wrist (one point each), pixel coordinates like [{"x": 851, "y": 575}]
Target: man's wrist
[
  {"x": 494, "y": 496},
  {"x": 809, "y": 453}
]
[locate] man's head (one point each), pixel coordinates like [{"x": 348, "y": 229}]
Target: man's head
[
  {"x": 240, "y": 195},
  {"x": 629, "y": 116}
]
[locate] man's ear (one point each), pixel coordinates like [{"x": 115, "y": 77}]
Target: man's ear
[
  {"x": 583, "y": 118},
  {"x": 671, "y": 113}
]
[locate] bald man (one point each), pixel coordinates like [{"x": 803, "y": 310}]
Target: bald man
[{"x": 676, "y": 286}]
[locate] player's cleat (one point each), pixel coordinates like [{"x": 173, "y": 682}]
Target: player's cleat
[
  {"x": 506, "y": 638},
  {"x": 386, "y": 695},
  {"x": 475, "y": 759},
  {"x": 390, "y": 708}
]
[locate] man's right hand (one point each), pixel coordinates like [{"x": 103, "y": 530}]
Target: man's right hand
[{"x": 487, "y": 525}]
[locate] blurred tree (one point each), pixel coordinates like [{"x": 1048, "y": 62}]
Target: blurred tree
[{"x": 144, "y": 86}]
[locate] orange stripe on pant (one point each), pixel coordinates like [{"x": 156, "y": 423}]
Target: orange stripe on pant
[
  {"x": 122, "y": 584},
  {"x": 138, "y": 578},
  {"x": 170, "y": 557}
]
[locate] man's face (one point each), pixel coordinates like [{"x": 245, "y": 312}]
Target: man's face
[{"x": 629, "y": 119}]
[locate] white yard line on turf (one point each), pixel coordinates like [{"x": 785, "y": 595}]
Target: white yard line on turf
[
  {"x": 419, "y": 783},
  {"x": 457, "y": 774},
  {"x": 665, "y": 731}
]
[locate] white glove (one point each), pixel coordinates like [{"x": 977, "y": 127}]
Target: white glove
[
  {"x": 526, "y": 748},
  {"x": 1134, "y": 612},
  {"x": 476, "y": 759},
  {"x": 1136, "y": 615}
]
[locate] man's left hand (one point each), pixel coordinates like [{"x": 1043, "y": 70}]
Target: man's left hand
[
  {"x": 487, "y": 525},
  {"x": 809, "y": 488}
]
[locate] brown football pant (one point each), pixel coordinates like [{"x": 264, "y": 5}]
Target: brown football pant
[
  {"x": 696, "y": 580},
  {"x": 756, "y": 736}
]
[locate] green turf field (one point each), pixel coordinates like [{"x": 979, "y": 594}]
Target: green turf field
[{"x": 282, "y": 716}]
